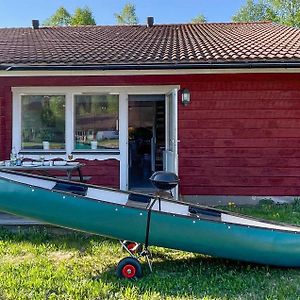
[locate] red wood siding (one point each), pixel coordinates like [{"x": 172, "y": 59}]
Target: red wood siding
[
  {"x": 2, "y": 130},
  {"x": 5, "y": 121},
  {"x": 239, "y": 136},
  {"x": 103, "y": 172}
]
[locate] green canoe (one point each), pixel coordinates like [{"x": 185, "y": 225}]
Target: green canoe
[{"x": 136, "y": 217}]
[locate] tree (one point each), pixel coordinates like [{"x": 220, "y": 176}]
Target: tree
[
  {"x": 128, "y": 15},
  {"x": 199, "y": 19},
  {"x": 60, "y": 18},
  {"x": 286, "y": 12},
  {"x": 81, "y": 16},
  {"x": 255, "y": 11}
]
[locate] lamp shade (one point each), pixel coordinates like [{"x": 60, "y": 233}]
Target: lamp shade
[{"x": 185, "y": 97}]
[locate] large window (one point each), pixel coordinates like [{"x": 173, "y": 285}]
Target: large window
[
  {"x": 47, "y": 121},
  {"x": 96, "y": 122},
  {"x": 43, "y": 122}
]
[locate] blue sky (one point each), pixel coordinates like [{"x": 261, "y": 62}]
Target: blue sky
[{"x": 19, "y": 13}]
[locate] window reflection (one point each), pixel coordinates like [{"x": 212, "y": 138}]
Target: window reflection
[
  {"x": 43, "y": 122},
  {"x": 96, "y": 122}
]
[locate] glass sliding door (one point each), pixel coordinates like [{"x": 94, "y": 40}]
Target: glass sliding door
[{"x": 146, "y": 138}]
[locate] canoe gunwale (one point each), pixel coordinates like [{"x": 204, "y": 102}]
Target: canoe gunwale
[{"x": 149, "y": 207}]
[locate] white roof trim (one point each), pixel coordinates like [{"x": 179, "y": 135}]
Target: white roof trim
[
  {"x": 79, "y": 90},
  {"x": 146, "y": 72}
]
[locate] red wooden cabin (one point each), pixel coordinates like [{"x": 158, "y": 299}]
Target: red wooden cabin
[{"x": 122, "y": 88}]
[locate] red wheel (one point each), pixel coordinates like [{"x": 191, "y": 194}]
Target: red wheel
[
  {"x": 133, "y": 247},
  {"x": 128, "y": 271},
  {"x": 129, "y": 268}
]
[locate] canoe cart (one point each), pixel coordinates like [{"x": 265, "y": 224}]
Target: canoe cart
[
  {"x": 149, "y": 220},
  {"x": 130, "y": 267}
]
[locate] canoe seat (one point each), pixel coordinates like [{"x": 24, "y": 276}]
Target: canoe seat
[
  {"x": 138, "y": 200},
  {"x": 205, "y": 213},
  {"x": 77, "y": 189}
]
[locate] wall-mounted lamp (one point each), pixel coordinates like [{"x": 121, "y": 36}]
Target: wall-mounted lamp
[{"x": 185, "y": 97}]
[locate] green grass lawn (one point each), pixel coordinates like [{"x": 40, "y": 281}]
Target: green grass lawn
[{"x": 42, "y": 264}]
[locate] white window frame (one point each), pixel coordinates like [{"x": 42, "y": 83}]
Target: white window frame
[{"x": 70, "y": 92}]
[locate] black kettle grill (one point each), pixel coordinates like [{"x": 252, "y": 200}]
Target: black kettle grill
[{"x": 164, "y": 181}]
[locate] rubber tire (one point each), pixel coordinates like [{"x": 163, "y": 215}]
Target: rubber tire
[{"x": 132, "y": 262}]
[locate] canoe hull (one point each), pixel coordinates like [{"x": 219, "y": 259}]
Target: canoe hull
[
  {"x": 75, "y": 212},
  {"x": 220, "y": 239},
  {"x": 257, "y": 245}
]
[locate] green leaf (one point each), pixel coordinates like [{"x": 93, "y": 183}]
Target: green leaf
[{"x": 127, "y": 16}]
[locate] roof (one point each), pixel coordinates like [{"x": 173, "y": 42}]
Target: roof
[{"x": 173, "y": 45}]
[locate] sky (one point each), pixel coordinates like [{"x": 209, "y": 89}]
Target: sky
[{"x": 19, "y": 13}]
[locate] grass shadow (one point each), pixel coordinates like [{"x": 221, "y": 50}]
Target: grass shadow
[
  {"x": 176, "y": 273},
  {"x": 200, "y": 276},
  {"x": 59, "y": 237}
]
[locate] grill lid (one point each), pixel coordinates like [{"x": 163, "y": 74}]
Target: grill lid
[{"x": 164, "y": 180}]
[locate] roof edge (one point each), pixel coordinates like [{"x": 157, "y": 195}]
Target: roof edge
[
  {"x": 145, "y": 25},
  {"x": 233, "y": 65}
]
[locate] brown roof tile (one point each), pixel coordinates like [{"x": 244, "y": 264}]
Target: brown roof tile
[{"x": 160, "y": 44}]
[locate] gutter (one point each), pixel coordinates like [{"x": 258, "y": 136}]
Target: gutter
[{"x": 190, "y": 66}]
